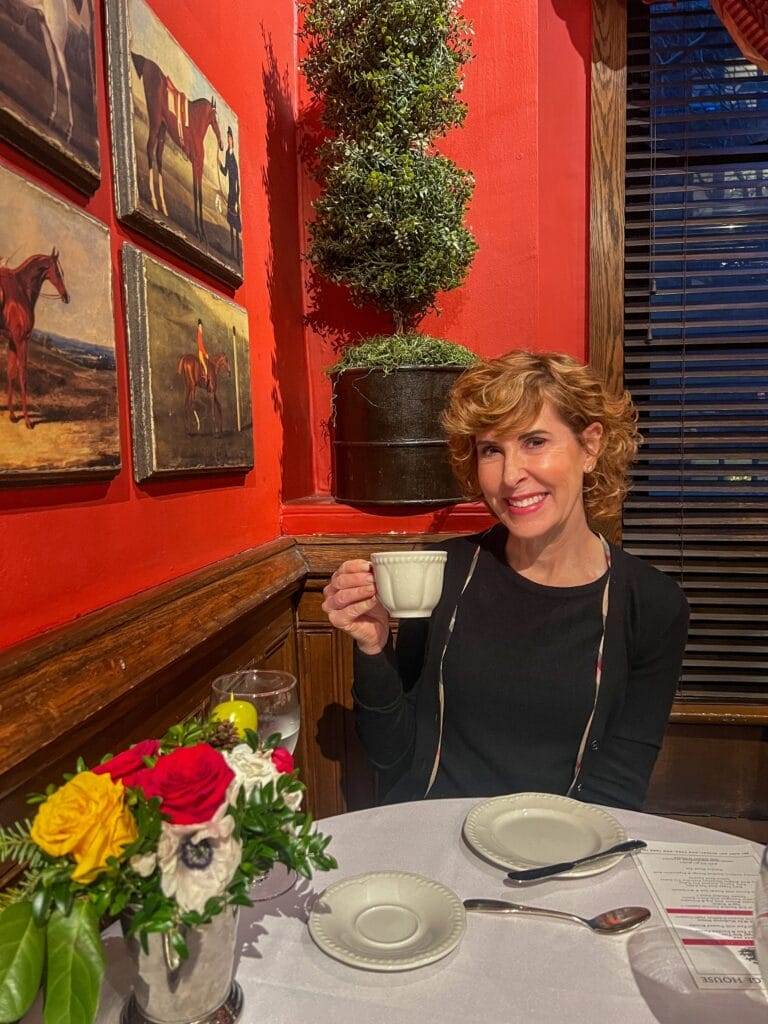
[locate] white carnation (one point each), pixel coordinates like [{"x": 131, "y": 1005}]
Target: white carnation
[
  {"x": 256, "y": 768},
  {"x": 251, "y": 768}
]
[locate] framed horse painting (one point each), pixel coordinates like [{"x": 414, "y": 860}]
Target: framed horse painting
[
  {"x": 48, "y": 85},
  {"x": 190, "y": 373},
  {"x": 176, "y": 143},
  {"x": 58, "y": 383}
]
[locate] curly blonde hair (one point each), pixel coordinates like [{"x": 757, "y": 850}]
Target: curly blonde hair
[{"x": 505, "y": 395}]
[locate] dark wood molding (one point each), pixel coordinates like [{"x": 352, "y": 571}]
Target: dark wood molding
[
  {"x": 324, "y": 554},
  {"x": 607, "y": 147},
  {"x": 339, "y": 777},
  {"x": 705, "y": 713},
  {"x": 608, "y": 131},
  {"x": 24, "y": 656},
  {"x": 323, "y": 514},
  {"x": 50, "y": 686}
]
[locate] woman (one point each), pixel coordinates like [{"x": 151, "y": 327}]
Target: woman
[
  {"x": 552, "y": 659},
  {"x": 231, "y": 170}
]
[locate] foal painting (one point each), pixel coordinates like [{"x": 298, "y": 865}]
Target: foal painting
[
  {"x": 189, "y": 368},
  {"x": 173, "y": 179},
  {"x": 58, "y": 386}
]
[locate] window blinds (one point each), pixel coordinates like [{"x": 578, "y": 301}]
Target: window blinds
[{"x": 696, "y": 333}]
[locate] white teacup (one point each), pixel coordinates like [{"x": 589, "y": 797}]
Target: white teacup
[{"x": 409, "y": 582}]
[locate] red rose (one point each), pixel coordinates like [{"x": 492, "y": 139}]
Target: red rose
[
  {"x": 126, "y": 766},
  {"x": 282, "y": 759},
  {"x": 191, "y": 782}
]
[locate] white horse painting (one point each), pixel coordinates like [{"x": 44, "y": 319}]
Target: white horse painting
[{"x": 57, "y": 18}]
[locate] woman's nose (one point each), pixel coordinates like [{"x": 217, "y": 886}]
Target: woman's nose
[{"x": 514, "y": 470}]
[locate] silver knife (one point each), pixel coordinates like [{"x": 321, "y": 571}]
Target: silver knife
[{"x": 531, "y": 874}]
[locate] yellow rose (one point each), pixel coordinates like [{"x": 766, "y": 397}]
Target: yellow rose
[{"x": 87, "y": 819}]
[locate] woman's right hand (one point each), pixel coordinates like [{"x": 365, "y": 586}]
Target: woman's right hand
[{"x": 351, "y": 604}]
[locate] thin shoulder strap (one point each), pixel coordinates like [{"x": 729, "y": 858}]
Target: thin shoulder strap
[
  {"x": 440, "y": 683},
  {"x": 598, "y": 669}
]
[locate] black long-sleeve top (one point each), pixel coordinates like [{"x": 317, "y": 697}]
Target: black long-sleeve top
[{"x": 519, "y": 676}]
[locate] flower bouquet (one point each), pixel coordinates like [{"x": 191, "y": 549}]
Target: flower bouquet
[{"x": 167, "y": 836}]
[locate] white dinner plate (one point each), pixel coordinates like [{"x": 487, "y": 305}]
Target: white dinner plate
[
  {"x": 529, "y": 830},
  {"x": 387, "y": 921}
]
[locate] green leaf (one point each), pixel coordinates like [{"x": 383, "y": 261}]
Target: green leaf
[
  {"x": 22, "y": 951},
  {"x": 75, "y": 966},
  {"x": 41, "y": 903},
  {"x": 62, "y": 896},
  {"x": 179, "y": 944}
]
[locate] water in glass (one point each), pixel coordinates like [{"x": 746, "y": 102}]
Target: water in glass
[{"x": 275, "y": 696}]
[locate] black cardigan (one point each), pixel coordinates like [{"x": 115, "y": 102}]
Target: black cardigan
[{"x": 396, "y": 701}]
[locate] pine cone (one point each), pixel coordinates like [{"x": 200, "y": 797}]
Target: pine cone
[{"x": 224, "y": 736}]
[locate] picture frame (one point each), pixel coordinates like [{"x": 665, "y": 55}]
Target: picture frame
[
  {"x": 48, "y": 93},
  {"x": 58, "y": 377},
  {"x": 189, "y": 367},
  {"x": 175, "y": 144}
]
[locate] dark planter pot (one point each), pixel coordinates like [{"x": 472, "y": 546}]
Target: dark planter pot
[{"x": 388, "y": 448}]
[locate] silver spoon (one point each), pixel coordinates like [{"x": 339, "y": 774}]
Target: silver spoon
[{"x": 610, "y": 922}]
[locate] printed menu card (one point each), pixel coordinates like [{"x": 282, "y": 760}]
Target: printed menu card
[{"x": 706, "y": 896}]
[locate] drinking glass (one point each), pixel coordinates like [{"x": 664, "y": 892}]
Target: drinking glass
[
  {"x": 275, "y": 696},
  {"x": 761, "y": 917}
]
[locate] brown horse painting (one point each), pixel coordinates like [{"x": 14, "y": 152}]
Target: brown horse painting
[
  {"x": 170, "y": 113},
  {"x": 19, "y": 292},
  {"x": 192, "y": 371}
]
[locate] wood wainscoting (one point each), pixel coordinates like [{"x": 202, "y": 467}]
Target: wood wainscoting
[{"x": 131, "y": 670}]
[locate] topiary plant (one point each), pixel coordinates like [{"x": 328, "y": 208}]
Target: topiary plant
[
  {"x": 387, "y": 352},
  {"x": 390, "y": 221}
]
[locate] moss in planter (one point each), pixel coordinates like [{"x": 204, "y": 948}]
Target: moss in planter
[{"x": 390, "y": 351}]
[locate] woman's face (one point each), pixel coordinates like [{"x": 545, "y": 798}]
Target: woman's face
[{"x": 533, "y": 480}]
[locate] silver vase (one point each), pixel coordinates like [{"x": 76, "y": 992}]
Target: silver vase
[{"x": 198, "y": 990}]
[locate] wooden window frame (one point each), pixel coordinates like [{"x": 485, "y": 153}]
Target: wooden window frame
[
  {"x": 606, "y": 193},
  {"x": 608, "y": 133}
]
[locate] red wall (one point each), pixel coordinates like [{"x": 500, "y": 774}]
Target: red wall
[
  {"x": 526, "y": 141},
  {"x": 68, "y": 549}
]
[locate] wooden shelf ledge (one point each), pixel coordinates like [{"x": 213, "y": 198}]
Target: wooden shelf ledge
[{"x": 705, "y": 713}]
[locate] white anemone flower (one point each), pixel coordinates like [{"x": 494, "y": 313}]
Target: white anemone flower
[
  {"x": 254, "y": 768},
  {"x": 198, "y": 861}
]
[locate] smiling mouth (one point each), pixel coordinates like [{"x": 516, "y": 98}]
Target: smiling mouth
[{"x": 527, "y": 503}]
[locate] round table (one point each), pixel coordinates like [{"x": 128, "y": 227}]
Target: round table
[{"x": 506, "y": 969}]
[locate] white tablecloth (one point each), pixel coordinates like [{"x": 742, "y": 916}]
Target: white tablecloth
[{"x": 506, "y": 970}]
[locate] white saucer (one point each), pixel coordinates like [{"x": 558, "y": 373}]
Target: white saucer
[
  {"x": 387, "y": 921},
  {"x": 528, "y": 830}
]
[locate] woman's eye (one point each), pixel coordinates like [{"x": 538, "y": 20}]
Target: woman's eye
[
  {"x": 487, "y": 449},
  {"x": 534, "y": 442}
]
